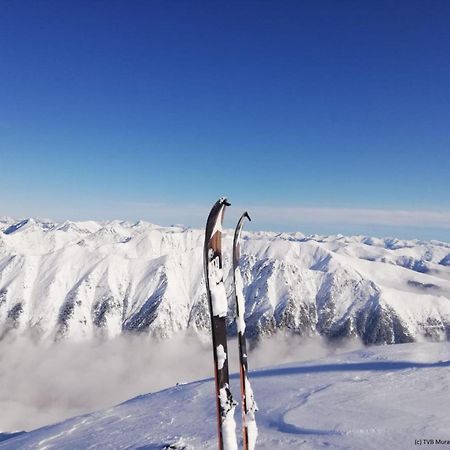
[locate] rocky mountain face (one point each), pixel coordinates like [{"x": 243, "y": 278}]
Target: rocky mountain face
[{"x": 78, "y": 280}]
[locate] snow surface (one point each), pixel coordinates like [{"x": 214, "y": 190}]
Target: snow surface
[
  {"x": 79, "y": 280},
  {"x": 377, "y": 397}
]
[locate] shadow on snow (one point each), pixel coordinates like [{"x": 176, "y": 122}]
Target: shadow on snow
[{"x": 347, "y": 367}]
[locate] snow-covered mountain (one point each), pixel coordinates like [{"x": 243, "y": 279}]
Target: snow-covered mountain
[
  {"x": 77, "y": 280},
  {"x": 375, "y": 398}
]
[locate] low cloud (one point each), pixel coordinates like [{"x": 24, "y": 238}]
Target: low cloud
[
  {"x": 195, "y": 215},
  {"x": 270, "y": 217},
  {"x": 47, "y": 382},
  {"x": 349, "y": 216}
]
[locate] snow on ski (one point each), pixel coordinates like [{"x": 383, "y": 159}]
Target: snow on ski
[
  {"x": 218, "y": 306},
  {"x": 249, "y": 407}
]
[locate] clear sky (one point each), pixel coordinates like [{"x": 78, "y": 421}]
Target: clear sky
[{"x": 319, "y": 116}]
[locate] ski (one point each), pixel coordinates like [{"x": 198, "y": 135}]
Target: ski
[
  {"x": 218, "y": 306},
  {"x": 249, "y": 407}
]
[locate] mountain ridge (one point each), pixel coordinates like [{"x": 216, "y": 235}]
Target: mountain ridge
[{"x": 78, "y": 280}]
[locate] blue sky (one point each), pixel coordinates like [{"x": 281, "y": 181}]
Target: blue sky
[{"x": 151, "y": 110}]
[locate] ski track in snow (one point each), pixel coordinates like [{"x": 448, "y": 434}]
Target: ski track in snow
[
  {"x": 383, "y": 397},
  {"x": 282, "y": 423}
]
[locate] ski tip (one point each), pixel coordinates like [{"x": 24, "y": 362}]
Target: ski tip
[
  {"x": 224, "y": 201},
  {"x": 246, "y": 215}
]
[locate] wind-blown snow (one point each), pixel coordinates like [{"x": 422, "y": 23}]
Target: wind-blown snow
[
  {"x": 378, "y": 397},
  {"x": 78, "y": 280}
]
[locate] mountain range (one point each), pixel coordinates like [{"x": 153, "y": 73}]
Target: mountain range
[{"x": 79, "y": 280}]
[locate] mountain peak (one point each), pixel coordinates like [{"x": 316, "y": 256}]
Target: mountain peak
[{"x": 77, "y": 280}]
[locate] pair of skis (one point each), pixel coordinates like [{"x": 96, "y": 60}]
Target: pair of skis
[{"x": 218, "y": 306}]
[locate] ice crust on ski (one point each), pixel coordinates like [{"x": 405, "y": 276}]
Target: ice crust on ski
[
  {"x": 240, "y": 321},
  {"x": 250, "y": 420},
  {"x": 228, "y": 422},
  {"x": 217, "y": 288},
  {"x": 221, "y": 356}
]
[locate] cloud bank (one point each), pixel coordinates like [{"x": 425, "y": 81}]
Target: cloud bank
[
  {"x": 350, "y": 216},
  {"x": 298, "y": 216},
  {"x": 267, "y": 217},
  {"x": 46, "y": 382}
]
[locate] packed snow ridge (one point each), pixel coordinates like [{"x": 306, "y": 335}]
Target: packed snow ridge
[
  {"x": 375, "y": 398},
  {"x": 78, "y": 280}
]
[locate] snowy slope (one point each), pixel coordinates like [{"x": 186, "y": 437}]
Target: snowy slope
[
  {"x": 379, "y": 397},
  {"x": 78, "y": 280}
]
